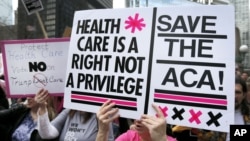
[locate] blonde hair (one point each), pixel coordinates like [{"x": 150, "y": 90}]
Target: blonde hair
[{"x": 51, "y": 108}]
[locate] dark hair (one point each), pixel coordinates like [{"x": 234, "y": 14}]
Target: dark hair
[
  {"x": 238, "y": 80},
  {"x": 4, "y": 104},
  {"x": 245, "y": 72},
  {"x": 244, "y": 107},
  {"x": 2, "y": 77}
]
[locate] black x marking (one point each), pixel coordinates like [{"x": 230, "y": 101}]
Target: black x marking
[
  {"x": 178, "y": 114},
  {"x": 214, "y": 119}
]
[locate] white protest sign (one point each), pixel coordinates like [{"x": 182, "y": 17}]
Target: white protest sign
[
  {"x": 30, "y": 65},
  {"x": 181, "y": 58},
  {"x": 32, "y": 6}
]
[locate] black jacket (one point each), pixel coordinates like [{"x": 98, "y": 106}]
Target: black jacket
[
  {"x": 10, "y": 119},
  {"x": 4, "y": 104}
]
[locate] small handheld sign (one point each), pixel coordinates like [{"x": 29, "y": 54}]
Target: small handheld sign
[{"x": 32, "y": 6}]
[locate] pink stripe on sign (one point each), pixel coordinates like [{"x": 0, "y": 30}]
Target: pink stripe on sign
[
  {"x": 88, "y": 98},
  {"x": 125, "y": 103},
  {"x": 102, "y": 100},
  {"x": 191, "y": 99}
]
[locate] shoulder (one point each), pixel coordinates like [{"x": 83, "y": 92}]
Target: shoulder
[
  {"x": 62, "y": 116},
  {"x": 64, "y": 112}
]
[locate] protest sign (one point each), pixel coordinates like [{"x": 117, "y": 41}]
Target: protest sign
[
  {"x": 32, "y": 6},
  {"x": 179, "y": 57},
  {"x": 30, "y": 65}
]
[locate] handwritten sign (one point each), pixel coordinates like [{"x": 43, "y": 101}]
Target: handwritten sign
[
  {"x": 30, "y": 65},
  {"x": 181, "y": 58}
]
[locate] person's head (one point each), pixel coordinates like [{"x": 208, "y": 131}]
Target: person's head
[
  {"x": 248, "y": 93},
  {"x": 20, "y": 100},
  {"x": 244, "y": 75},
  {"x": 140, "y": 128},
  {"x": 30, "y": 102},
  {"x": 237, "y": 71},
  {"x": 240, "y": 92}
]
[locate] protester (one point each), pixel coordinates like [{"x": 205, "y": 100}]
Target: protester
[
  {"x": 241, "y": 115},
  {"x": 69, "y": 125},
  {"x": 237, "y": 71},
  {"x": 8, "y": 117},
  {"x": 4, "y": 103},
  {"x": 148, "y": 128},
  {"x": 19, "y": 123},
  {"x": 247, "y": 98},
  {"x": 241, "y": 109},
  {"x": 120, "y": 125},
  {"x": 183, "y": 133},
  {"x": 244, "y": 76}
]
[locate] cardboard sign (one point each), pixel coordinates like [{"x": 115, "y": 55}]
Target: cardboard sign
[
  {"x": 30, "y": 65},
  {"x": 32, "y": 6},
  {"x": 180, "y": 58}
]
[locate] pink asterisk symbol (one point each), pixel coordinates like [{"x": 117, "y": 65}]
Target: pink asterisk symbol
[{"x": 134, "y": 23}]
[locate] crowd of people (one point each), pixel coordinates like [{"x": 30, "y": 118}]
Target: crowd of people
[{"x": 38, "y": 118}]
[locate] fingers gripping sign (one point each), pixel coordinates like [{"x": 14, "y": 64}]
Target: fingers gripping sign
[
  {"x": 106, "y": 114},
  {"x": 155, "y": 125},
  {"x": 42, "y": 96}
]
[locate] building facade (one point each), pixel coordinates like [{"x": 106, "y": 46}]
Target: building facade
[
  {"x": 150, "y": 3},
  {"x": 56, "y": 16},
  {"x": 242, "y": 19}
]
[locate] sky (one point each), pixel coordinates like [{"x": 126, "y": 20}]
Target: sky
[
  {"x": 14, "y": 4},
  {"x": 14, "y": 7}
]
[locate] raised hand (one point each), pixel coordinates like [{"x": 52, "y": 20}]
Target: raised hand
[
  {"x": 106, "y": 114},
  {"x": 156, "y": 125},
  {"x": 41, "y": 98}
]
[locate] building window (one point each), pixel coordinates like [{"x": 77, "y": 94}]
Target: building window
[
  {"x": 51, "y": 6},
  {"x": 51, "y": 11},
  {"x": 51, "y": 17},
  {"x": 52, "y": 1},
  {"x": 51, "y": 33},
  {"x": 50, "y": 22},
  {"x": 49, "y": 28}
]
